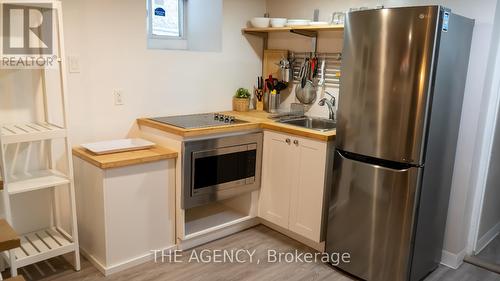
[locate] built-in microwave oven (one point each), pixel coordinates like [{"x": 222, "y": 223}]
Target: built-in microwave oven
[{"x": 220, "y": 168}]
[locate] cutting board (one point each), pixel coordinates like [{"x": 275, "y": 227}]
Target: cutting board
[
  {"x": 115, "y": 146},
  {"x": 271, "y": 63}
]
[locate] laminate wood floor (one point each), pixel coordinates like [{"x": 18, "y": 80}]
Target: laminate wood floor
[{"x": 259, "y": 238}]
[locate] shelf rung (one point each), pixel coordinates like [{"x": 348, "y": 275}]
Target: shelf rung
[
  {"x": 35, "y": 181},
  {"x": 41, "y": 245},
  {"x": 28, "y": 132}
]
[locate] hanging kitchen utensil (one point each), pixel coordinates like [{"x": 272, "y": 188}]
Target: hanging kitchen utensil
[
  {"x": 271, "y": 83},
  {"x": 314, "y": 64},
  {"x": 298, "y": 87},
  {"x": 280, "y": 86},
  {"x": 309, "y": 92},
  {"x": 306, "y": 95},
  {"x": 284, "y": 65},
  {"x": 291, "y": 60},
  {"x": 304, "y": 73},
  {"x": 323, "y": 69}
]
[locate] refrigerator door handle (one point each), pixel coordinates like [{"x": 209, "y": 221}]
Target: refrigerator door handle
[{"x": 392, "y": 165}]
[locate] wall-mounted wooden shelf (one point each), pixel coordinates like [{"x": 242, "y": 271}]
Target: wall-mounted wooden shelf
[
  {"x": 308, "y": 30},
  {"x": 297, "y": 29}
]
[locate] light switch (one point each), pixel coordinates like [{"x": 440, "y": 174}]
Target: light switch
[
  {"x": 74, "y": 64},
  {"x": 118, "y": 95}
]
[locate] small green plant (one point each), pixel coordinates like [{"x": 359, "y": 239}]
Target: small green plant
[{"x": 242, "y": 93}]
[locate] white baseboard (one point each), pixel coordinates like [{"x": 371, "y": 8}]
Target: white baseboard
[
  {"x": 108, "y": 270},
  {"x": 453, "y": 260},
  {"x": 487, "y": 238},
  {"x": 217, "y": 234},
  {"x": 97, "y": 264},
  {"x": 318, "y": 246}
]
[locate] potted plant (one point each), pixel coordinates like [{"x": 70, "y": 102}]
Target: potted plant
[{"x": 241, "y": 100}]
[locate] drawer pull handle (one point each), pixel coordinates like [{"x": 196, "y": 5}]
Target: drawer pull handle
[
  {"x": 288, "y": 141},
  {"x": 296, "y": 142}
]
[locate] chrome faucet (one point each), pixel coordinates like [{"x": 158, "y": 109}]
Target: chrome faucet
[{"x": 330, "y": 102}]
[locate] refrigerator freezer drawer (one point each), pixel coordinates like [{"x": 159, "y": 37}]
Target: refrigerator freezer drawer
[
  {"x": 371, "y": 216},
  {"x": 386, "y": 76}
]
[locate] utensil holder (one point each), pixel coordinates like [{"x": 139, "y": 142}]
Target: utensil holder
[
  {"x": 274, "y": 103},
  {"x": 265, "y": 100},
  {"x": 259, "y": 105}
]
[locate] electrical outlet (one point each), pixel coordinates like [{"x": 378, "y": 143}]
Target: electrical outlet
[
  {"x": 74, "y": 64},
  {"x": 118, "y": 97}
]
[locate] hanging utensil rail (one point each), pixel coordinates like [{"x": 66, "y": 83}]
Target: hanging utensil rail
[{"x": 332, "y": 66}]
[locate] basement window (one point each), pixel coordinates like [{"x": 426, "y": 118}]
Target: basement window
[
  {"x": 194, "y": 25},
  {"x": 166, "y": 18},
  {"x": 166, "y": 21}
]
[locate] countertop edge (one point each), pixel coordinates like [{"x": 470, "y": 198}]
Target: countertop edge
[
  {"x": 293, "y": 131},
  {"x": 129, "y": 158}
]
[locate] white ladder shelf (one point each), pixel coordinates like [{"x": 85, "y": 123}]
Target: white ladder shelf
[
  {"x": 41, "y": 245},
  {"x": 54, "y": 240},
  {"x": 27, "y": 132}
]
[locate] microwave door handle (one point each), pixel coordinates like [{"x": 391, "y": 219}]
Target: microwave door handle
[{"x": 224, "y": 150}]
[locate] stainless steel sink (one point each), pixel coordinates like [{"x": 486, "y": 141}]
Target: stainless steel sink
[{"x": 318, "y": 124}]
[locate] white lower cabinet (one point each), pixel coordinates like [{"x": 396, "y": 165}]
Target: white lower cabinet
[
  {"x": 125, "y": 212},
  {"x": 278, "y": 161},
  {"x": 293, "y": 183}
]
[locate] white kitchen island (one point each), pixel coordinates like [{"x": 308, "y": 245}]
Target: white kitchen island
[{"x": 125, "y": 206}]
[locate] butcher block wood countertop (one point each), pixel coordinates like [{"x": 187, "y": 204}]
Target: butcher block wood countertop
[
  {"x": 255, "y": 119},
  {"x": 122, "y": 159}
]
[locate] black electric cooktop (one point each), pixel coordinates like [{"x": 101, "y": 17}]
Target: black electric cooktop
[{"x": 204, "y": 120}]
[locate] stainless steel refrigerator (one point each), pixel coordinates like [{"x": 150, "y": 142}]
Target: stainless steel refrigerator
[{"x": 401, "y": 94}]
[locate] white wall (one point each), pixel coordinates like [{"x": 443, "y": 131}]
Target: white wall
[
  {"x": 489, "y": 221},
  {"x": 490, "y": 217},
  {"x": 484, "y": 13},
  {"x": 110, "y": 39}
]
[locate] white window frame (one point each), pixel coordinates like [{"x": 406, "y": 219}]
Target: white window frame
[{"x": 165, "y": 41}]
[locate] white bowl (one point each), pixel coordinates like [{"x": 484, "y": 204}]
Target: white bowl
[
  {"x": 318, "y": 23},
  {"x": 260, "y": 22},
  {"x": 278, "y": 22},
  {"x": 298, "y": 22}
]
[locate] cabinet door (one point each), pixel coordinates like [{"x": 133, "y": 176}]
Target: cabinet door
[
  {"x": 278, "y": 162},
  {"x": 307, "y": 197}
]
